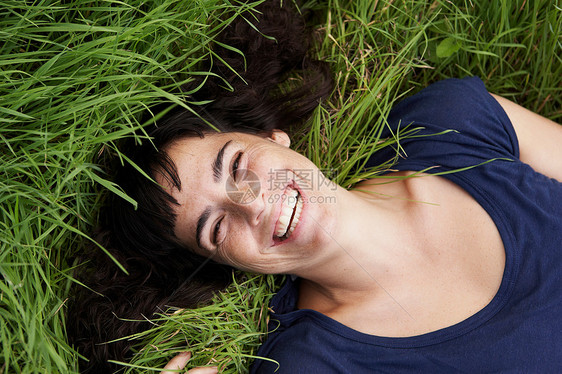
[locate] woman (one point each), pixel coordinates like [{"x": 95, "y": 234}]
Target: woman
[
  {"x": 440, "y": 273},
  {"x": 433, "y": 273}
]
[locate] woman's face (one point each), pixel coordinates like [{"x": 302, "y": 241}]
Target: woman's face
[{"x": 251, "y": 202}]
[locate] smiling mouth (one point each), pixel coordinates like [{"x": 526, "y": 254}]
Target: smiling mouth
[{"x": 290, "y": 215}]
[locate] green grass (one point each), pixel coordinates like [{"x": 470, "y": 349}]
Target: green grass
[{"x": 75, "y": 76}]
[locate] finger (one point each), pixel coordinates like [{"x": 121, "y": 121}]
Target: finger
[
  {"x": 205, "y": 370},
  {"x": 177, "y": 363}
]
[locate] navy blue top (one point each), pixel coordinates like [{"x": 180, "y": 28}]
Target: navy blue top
[{"x": 520, "y": 330}]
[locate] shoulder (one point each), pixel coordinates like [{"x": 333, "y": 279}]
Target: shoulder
[
  {"x": 297, "y": 349},
  {"x": 314, "y": 343},
  {"x": 448, "y": 100},
  {"x": 460, "y": 104},
  {"x": 459, "y": 115},
  {"x": 539, "y": 139},
  {"x": 310, "y": 344}
]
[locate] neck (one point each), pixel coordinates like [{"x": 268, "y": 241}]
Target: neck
[{"x": 368, "y": 250}]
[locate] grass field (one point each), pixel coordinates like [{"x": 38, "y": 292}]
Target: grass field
[{"x": 75, "y": 75}]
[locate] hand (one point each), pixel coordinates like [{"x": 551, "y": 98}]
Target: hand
[{"x": 179, "y": 362}]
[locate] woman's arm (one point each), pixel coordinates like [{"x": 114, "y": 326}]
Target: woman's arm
[{"x": 540, "y": 139}]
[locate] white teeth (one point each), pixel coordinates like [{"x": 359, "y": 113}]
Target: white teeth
[
  {"x": 284, "y": 220},
  {"x": 296, "y": 218},
  {"x": 292, "y": 199}
]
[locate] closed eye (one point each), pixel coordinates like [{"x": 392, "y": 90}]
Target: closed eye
[
  {"x": 236, "y": 165},
  {"x": 217, "y": 231}
]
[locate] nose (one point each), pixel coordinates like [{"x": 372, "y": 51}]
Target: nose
[{"x": 246, "y": 198}]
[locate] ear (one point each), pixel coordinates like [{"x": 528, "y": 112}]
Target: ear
[{"x": 280, "y": 137}]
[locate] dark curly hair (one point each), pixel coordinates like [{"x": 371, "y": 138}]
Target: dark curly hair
[{"x": 161, "y": 272}]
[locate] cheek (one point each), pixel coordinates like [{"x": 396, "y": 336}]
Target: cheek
[{"x": 238, "y": 248}]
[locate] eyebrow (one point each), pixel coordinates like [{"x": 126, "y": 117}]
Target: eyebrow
[
  {"x": 203, "y": 218},
  {"x": 217, "y": 164},
  {"x": 217, "y": 176}
]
